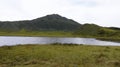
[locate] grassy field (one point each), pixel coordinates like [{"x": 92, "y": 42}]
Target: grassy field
[
  {"x": 42, "y": 33},
  {"x": 58, "y": 55}
]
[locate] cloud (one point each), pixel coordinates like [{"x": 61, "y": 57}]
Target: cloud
[{"x": 102, "y": 12}]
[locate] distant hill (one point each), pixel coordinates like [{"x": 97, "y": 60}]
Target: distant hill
[
  {"x": 56, "y": 22},
  {"x": 95, "y": 30},
  {"x": 114, "y": 28},
  {"x": 88, "y": 29},
  {"x": 53, "y": 22}
]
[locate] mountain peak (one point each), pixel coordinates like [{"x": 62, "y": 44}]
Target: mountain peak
[
  {"x": 51, "y": 16},
  {"x": 55, "y": 16},
  {"x": 56, "y": 22}
]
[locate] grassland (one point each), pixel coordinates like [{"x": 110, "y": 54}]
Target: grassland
[
  {"x": 58, "y": 55},
  {"x": 42, "y": 33}
]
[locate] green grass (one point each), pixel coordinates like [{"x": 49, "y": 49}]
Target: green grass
[
  {"x": 57, "y": 55},
  {"x": 116, "y": 39},
  {"x": 42, "y": 33}
]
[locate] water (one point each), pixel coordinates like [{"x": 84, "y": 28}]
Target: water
[{"x": 15, "y": 40}]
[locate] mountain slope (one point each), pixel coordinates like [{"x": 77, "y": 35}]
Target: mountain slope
[
  {"x": 95, "y": 30},
  {"x": 88, "y": 29},
  {"x": 50, "y": 22}
]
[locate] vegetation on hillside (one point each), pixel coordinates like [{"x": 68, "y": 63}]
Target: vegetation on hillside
[
  {"x": 52, "y": 22},
  {"x": 97, "y": 31},
  {"x": 87, "y": 29}
]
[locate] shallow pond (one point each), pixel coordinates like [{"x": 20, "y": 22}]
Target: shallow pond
[{"x": 15, "y": 40}]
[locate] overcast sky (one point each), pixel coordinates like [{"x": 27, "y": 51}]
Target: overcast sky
[{"x": 101, "y": 12}]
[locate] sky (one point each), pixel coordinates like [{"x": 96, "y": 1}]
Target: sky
[{"x": 100, "y": 12}]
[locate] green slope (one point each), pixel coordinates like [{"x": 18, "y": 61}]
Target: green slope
[{"x": 52, "y": 22}]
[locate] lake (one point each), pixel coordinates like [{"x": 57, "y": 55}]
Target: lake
[{"x": 15, "y": 40}]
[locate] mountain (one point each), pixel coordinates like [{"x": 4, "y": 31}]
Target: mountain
[
  {"x": 53, "y": 22},
  {"x": 56, "y": 22}
]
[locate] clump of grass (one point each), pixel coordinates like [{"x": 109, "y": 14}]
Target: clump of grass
[
  {"x": 7, "y": 47},
  {"x": 114, "y": 63},
  {"x": 65, "y": 44},
  {"x": 116, "y": 39}
]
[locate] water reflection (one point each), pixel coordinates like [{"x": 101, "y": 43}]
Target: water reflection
[{"x": 12, "y": 40}]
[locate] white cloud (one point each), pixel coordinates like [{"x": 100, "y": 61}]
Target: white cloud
[{"x": 102, "y": 12}]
